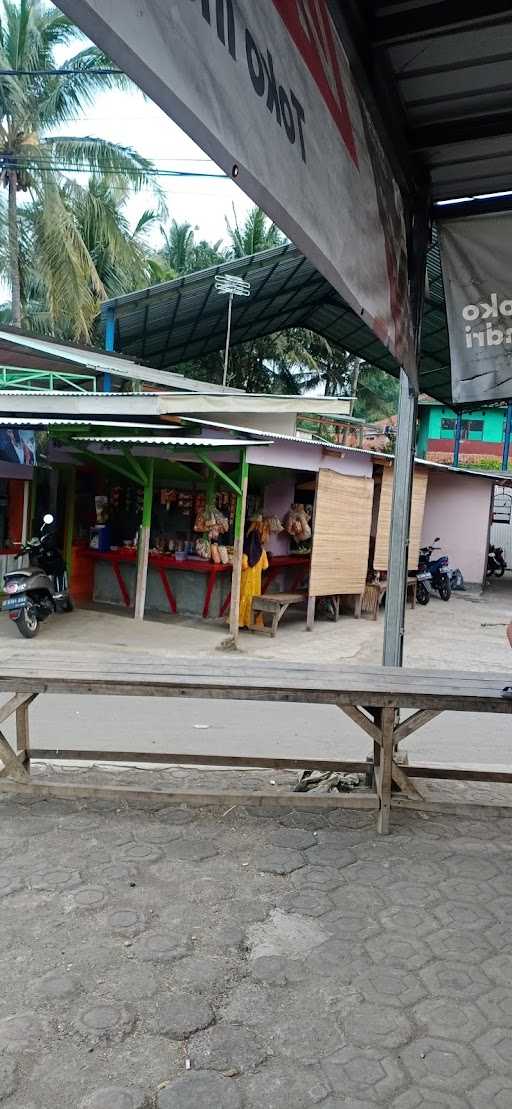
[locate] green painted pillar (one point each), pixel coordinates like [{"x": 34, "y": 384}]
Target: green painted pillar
[{"x": 143, "y": 543}]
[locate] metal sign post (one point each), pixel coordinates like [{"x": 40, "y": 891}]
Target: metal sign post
[
  {"x": 233, "y": 286},
  {"x": 400, "y": 522}
]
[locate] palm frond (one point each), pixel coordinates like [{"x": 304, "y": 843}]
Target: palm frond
[{"x": 121, "y": 164}]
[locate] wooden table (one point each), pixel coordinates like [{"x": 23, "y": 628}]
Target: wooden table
[
  {"x": 163, "y": 563},
  {"x": 370, "y": 696}
]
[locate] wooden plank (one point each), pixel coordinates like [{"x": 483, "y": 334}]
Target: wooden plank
[
  {"x": 13, "y": 705},
  {"x": 459, "y": 773},
  {"x": 12, "y": 765},
  {"x": 461, "y": 700},
  {"x": 385, "y": 770},
  {"x": 23, "y": 728},
  {"x": 417, "y": 720},
  {"x": 198, "y": 758},
  {"x": 270, "y": 601},
  {"x": 232, "y": 798},
  {"x": 341, "y": 535},
  {"x": 361, "y": 720},
  {"x": 102, "y": 662},
  {"x": 403, "y": 780}
]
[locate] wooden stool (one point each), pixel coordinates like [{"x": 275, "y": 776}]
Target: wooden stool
[{"x": 376, "y": 590}]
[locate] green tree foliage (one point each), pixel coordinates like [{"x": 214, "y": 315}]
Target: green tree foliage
[
  {"x": 34, "y": 104},
  {"x": 377, "y": 394},
  {"x": 70, "y": 264},
  {"x": 257, "y": 233}
]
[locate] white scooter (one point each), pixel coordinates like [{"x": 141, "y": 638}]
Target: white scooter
[{"x": 37, "y": 592}]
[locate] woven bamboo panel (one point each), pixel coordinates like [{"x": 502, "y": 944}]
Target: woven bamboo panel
[
  {"x": 419, "y": 492},
  {"x": 341, "y": 537}
]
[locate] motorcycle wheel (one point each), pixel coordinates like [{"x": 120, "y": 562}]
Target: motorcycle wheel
[
  {"x": 489, "y": 573},
  {"x": 499, "y": 572},
  {"x": 422, "y": 593},
  {"x": 68, "y": 605},
  {"x": 27, "y": 622},
  {"x": 445, "y": 590}
]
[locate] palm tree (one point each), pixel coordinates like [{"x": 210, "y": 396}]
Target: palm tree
[
  {"x": 181, "y": 254},
  {"x": 34, "y": 101},
  {"x": 257, "y": 233},
  {"x": 178, "y": 250}
]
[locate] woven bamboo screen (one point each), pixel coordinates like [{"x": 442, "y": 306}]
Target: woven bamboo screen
[
  {"x": 341, "y": 537},
  {"x": 419, "y": 492}
]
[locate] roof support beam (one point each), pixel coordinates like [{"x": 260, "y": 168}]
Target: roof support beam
[
  {"x": 217, "y": 470},
  {"x": 461, "y": 130},
  {"x": 429, "y": 20},
  {"x": 119, "y": 467}
]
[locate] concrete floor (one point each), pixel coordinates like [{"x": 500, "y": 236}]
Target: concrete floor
[
  {"x": 171, "y": 957},
  {"x": 466, "y": 633}
]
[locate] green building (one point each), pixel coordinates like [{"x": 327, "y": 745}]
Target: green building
[{"x": 482, "y": 434}]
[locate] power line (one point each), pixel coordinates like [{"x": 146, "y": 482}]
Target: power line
[
  {"x": 76, "y": 72},
  {"x": 152, "y": 171}
]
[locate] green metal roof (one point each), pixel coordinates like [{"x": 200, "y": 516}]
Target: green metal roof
[{"x": 185, "y": 319}]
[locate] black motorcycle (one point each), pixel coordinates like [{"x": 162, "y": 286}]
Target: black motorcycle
[
  {"x": 42, "y": 588},
  {"x": 496, "y": 564},
  {"x": 439, "y": 570}
]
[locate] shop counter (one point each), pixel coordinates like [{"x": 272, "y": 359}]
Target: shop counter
[{"x": 190, "y": 586}]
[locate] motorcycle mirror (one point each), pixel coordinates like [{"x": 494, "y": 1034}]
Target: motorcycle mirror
[
  {"x": 436, "y": 540},
  {"x": 48, "y": 519}
]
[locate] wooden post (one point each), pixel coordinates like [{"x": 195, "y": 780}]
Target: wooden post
[
  {"x": 310, "y": 616},
  {"x": 143, "y": 542},
  {"x": 23, "y": 734},
  {"x": 69, "y": 519},
  {"x": 25, "y": 517},
  {"x": 394, "y": 617},
  {"x": 241, "y": 501},
  {"x": 384, "y": 774}
]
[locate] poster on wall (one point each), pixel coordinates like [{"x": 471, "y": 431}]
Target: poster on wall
[
  {"x": 476, "y": 260},
  {"x": 267, "y": 91},
  {"x": 17, "y": 447}
]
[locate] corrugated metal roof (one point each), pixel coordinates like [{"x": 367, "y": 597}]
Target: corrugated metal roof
[
  {"x": 170, "y": 443},
  {"x": 442, "y": 70},
  {"x": 286, "y": 291},
  {"x": 31, "y": 421},
  {"x": 339, "y": 447},
  {"x": 18, "y": 347}
]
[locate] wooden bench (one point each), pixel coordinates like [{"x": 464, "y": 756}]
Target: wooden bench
[
  {"x": 276, "y": 604},
  {"x": 370, "y": 696}
]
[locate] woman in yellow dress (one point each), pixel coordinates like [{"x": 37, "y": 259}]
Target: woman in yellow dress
[{"x": 254, "y": 562}]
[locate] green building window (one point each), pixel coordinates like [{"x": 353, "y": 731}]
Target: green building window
[
  {"x": 471, "y": 429},
  {"x": 475, "y": 429}
]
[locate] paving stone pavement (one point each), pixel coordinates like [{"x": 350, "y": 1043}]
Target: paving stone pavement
[{"x": 155, "y": 956}]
